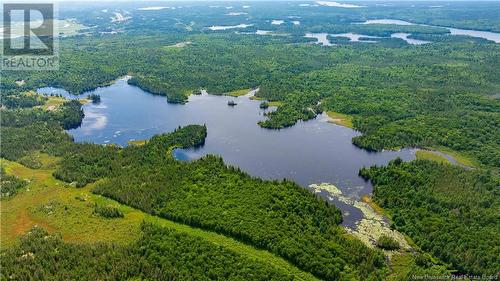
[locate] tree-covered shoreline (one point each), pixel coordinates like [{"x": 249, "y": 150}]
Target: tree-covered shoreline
[{"x": 446, "y": 210}]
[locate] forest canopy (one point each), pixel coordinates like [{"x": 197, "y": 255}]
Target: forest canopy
[{"x": 447, "y": 211}]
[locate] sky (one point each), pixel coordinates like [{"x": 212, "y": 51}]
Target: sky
[{"x": 340, "y": 1}]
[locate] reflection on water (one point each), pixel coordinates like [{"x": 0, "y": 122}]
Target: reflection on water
[{"x": 315, "y": 151}]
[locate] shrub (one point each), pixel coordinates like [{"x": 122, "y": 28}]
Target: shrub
[
  {"x": 387, "y": 243},
  {"x": 109, "y": 212}
]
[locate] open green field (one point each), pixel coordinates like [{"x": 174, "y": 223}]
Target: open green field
[
  {"x": 137, "y": 142},
  {"x": 461, "y": 157},
  {"x": 61, "y": 208},
  {"x": 340, "y": 119},
  {"x": 238, "y": 93},
  {"x": 270, "y": 103},
  {"x": 429, "y": 155}
]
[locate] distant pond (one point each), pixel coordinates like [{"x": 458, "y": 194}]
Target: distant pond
[{"x": 310, "y": 152}]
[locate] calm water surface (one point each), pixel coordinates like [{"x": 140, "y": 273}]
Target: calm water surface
[
  {"x": 310, "y": 152},
  {"x": 492, "y": 36},
  {"x": 405, "y": 36},
  {"x": 321, "y": 38},
  {"x": 354, "y": 37}
]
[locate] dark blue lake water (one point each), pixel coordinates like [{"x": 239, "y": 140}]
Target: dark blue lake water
[{"x": 310, "y": 152}]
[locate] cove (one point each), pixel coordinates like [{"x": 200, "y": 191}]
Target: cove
[{"x": 310, "y": 152}]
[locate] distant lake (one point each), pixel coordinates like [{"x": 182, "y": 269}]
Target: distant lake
[
  {"x": 226, "y": 27},
  {"x": 322, "y": 38},
  {"x": 353, "y": 37},
  {"x": 492, "y": 36},
  {"x": 310, "y": 152},
  {"x": 405, "y": 36}
]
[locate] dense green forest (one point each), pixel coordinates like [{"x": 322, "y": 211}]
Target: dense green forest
[
  {"x": 157, "y": 87},
  {"x": 161, "y": 254},
  {"x": 448, "y": 211},
  {"x": 431, "y": 95}
]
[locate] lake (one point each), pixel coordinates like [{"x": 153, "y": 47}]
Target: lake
[
  {"x": 405, "y": 37},
  {"x": 321, "y": 38},
  {"x": 353, "y": 37},
  {"x": 226, "y": 27},
  {"x": 310, "y": 152},
  {"x": 492, "y": 36}
]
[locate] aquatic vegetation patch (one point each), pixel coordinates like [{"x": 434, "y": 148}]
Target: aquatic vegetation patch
[{"x": 372, "y": 227}]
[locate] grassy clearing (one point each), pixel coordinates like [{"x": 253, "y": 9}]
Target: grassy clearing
[
  {"x": 38, "y": 160},
  {"x": 460, "y": 157},
  {"x": 340, "y": 119},
  {"x": 57, "y": 207},
  {"x": 400, "y": 264},
  {"x": 238, "y": 93},
  {"x": 137, "y": 142},
  {"x": 179, "y": 45},
  {"x": 275, "y": 103},
  {"x": 187, "y": 92},
  {"x": 271, "y": 103},
  {"x": 53, "y": 103},
  {"x": 430, "y": 155}
]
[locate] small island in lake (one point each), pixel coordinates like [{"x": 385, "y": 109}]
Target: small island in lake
[{"x": 94, "y": 98}]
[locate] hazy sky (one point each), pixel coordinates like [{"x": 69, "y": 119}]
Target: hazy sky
[{"x": 340, "y": 1}]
